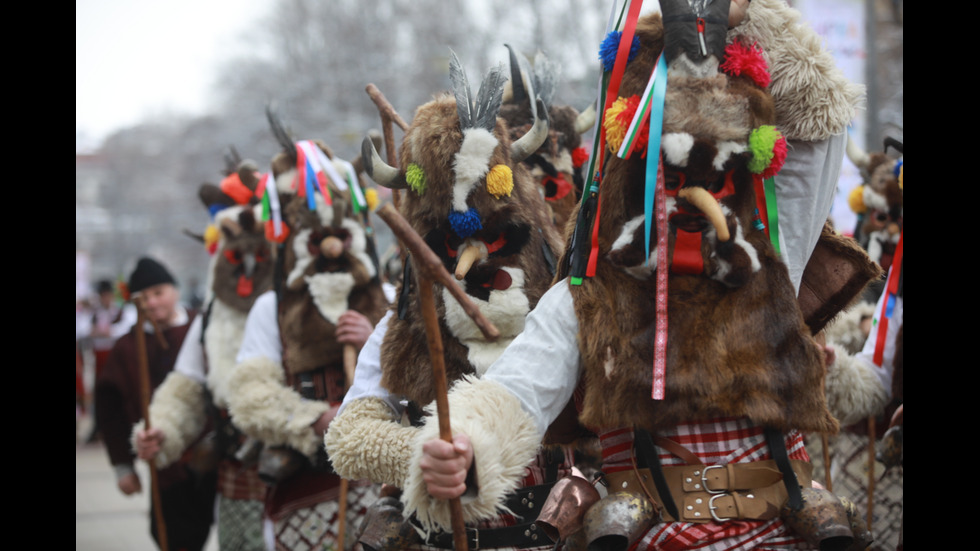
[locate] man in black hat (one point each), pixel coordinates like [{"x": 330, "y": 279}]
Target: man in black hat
[{"x": 187, "y": 496}]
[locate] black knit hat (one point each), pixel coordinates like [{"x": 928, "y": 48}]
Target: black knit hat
[{"x": 148, "y": 273}]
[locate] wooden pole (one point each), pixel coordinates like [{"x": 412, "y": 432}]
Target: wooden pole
[
  {"x": 429, "y": 270},
  {"x": 388, "y": 116},
  {"x": 350, "y": 362},
  {"x": 828, "y": 482},
  {"x": 145, "y": 395}
]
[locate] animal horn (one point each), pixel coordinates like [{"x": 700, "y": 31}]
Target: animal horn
[
  {"x": 470, "y": 255},
  {"x": 279, "y": 130},
  {"x": 516, "y": 78},
  {"x": 700, "y": 198},
  {"x": 858, "y": 156},
  {"x": 232, "y": 159},
  {"x": 585, "y": 120},
  {"x": 380, "y": 171},
  {"x": 530, "y": 142}
]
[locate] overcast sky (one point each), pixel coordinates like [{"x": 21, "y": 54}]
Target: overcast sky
[{"x": 139, "y": 60}]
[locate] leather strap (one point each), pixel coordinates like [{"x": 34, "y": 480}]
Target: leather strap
[
  {"x": 519, "y": 536},
  {"x": 777, "y": 447},
  {"x": 648, "y": 457}
]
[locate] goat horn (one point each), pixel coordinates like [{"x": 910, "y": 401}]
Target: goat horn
[
  {"x": 858, "y": 156},
  {"x": 378, "y": 170},
  {"x": 530, "y": 142},
  {"x": 585, "y": 120},
  {"x": 700, "y": 198},
  {"x": 468, "y": 258},
  {"x": 518, "y": 91}
]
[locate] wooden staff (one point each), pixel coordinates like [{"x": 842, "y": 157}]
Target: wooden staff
[
  {"x": 826, "y": 462},
  {"x": 430, "y": 269},
  {"x": 350, "y": 362},
  {"x": 388, "y": 116},
  {"x": 145, "y": 394}
]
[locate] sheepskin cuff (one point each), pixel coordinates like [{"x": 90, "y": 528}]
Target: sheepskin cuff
[
  {"x": 264, "y": 408},
  {"x": 367, "y": 441},
  {"x": 504, "y": 442},
  {"x": 853, "y": 389},
  {"x": 178, "y": 410}
]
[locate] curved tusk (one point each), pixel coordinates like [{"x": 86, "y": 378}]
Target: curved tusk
[
  {"x": 530, "y": 142},
  {"x": 858, "y": 156},
  {"x": 378, "y": 170},
  {"x": 700, "y": 198},
  {"x": 331, "y": 247},
  {"x": 470, "y": 256},
  {"x": 585, "y": 120}
]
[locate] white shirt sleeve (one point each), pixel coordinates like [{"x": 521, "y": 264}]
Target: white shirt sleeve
[
  {"x": 190, "y": 359},
  {"x": 367, "y": 374},
  {"x": 886, "y": 370},
  {"x": 541, "y": 367},
  {"x": 805, "y": 189},
  {"x": 261, "y": 337}
]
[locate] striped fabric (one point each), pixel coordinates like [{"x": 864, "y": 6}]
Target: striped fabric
[{"x": 715, "y": 441}]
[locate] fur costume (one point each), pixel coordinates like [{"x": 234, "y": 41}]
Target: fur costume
[
  {"x": 292, "y": 373},
  {"x": 556, "y": 166},
  {"x": 515, "y": 245},
  {"x": 737, "y": 344}
]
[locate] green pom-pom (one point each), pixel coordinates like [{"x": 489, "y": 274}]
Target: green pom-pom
[
  {"x": 416, "y": 178},
  {"x": 762, "y": 141}
]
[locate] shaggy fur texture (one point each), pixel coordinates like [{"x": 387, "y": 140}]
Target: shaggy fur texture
[
  {"x": 521, "y": 219},
  {"x": 177, "y": 409},
  {"x": 846, "y": 332},
  {"x": 854, "y": 391},
  {"x": 813, "y": 99},
  {"x": 489, "y": 415},
  {"x": 266, "y": 410},
  {"x": 222, "y": 339},
  {"x": 737, "y": 343},
  {"x": 366, "y": 441}
]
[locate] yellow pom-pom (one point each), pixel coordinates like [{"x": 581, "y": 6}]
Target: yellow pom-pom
[
  {"x": 371, "y": 196},
  {"x": 856, "y": 200},
  {"x": 211, "y": 236},
  {"x": 500, "y": 181},
  {"x": 615, "y": 129}
]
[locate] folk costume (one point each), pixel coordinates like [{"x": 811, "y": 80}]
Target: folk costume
[
  {"x": 290, "y": 368},
  {"x": 186, "y": 494},
  {"x": 727, "y": 377},
  {"x": 499, "y": 242},
  {"x": 193, "y": 398}
]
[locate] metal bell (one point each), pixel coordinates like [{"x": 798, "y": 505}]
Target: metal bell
[
  {"x": 563, "y": 510},
  {"x": 618, "y": 520},
  {"x": 822, "y": 520},
  {"x": 385, "y": 529}
]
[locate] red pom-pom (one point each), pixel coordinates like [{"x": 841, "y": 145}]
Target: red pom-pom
[
  {"x": 579, "y": 156},
  {"x": 778, "y": 158},
  {"x": 748, "y": 60}
]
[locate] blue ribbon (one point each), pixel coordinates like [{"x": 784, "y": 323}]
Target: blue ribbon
[{"x": 653, "y": 148}]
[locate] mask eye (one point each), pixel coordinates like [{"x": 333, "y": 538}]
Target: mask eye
[
  {"x": 233, "y": 256},
  {"x": 673, "y": 179}
]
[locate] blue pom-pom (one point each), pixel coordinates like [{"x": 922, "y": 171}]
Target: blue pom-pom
[
  {"x": 610, "y": 45},
  {"x": 215, "y": 208},
  {"x": 466, "y": 223}
]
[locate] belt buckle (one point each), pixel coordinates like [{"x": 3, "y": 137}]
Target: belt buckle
[
  {"x": 474, "y": 538},
  {"x": 712, "y": 508},
  {"x": 704, "y": 480}
]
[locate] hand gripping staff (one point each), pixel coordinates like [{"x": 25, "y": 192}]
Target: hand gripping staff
[{"x": 429, "y": 270}]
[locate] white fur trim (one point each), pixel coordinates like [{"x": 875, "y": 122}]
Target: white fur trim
[
  {"x": 178, "y": 410},
  {"x": 625, "y": 239},
  {"x": 366, "y": 441},
  {"x": 329, "y": 292},
  {"x": 358, "y": 245},
  {"x": 853, "y": 389},
  {"x": 738, "y": 239},
  {"x": 676, "y": 147},
  {"x": 263, "y": 408},
  {"x": 471, "y": 163},
  {"x": 725, "y": 151},
  {"x": 872, "y": 199},
  {"x": 504, "y": 441},
  {"x": 846, "y": 330},
  {"x": 284, "y": 182},
  {"x": 814, "y": 100},
  {"x": 506, "y": 309},
  {"x": 303, "y": 256},
  {"x": 222, "y": 339}
]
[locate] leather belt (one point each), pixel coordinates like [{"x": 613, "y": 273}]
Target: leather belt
[
  {"x": 716, "y": 493},
  {"x": 521, "y": 536},
  {"x": 525, "y": 503}
]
